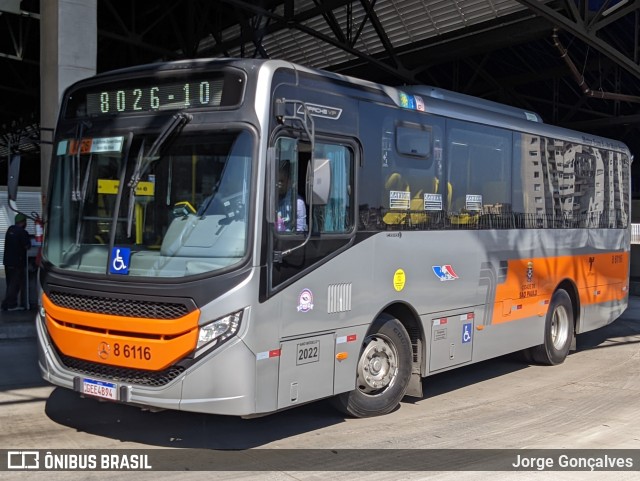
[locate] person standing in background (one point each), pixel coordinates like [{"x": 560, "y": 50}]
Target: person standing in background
[{"x": 16, "y": 245}]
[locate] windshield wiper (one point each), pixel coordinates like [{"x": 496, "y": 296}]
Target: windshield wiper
[
  {"x": 144, "y": 161},
  {"x": 81, "y": 196},
  {"x": 75, "y": 161}
]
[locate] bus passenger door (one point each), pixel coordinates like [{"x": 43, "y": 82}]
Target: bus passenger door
[
  {"x": 306, "y": 232},
  {"x": 305, "y": 237}
]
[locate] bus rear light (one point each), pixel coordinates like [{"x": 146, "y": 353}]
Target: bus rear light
[{"x": 217, "y": 331}]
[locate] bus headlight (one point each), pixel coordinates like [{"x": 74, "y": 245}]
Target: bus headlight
[{"x": 217, "y": 331}]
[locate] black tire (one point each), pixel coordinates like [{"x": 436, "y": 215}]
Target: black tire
[
  {"x": 558, "y": 331},
  {"x": 383, "y": 371}
]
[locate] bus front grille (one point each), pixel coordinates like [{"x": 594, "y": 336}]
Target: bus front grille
[
  {"x": 120, "y": 374},
  {"x": 119, "y": 307}
]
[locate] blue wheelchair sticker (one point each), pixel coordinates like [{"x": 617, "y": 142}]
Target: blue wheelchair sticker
[
  {"x": 466, "y": 333},
  {"x": 119, "y": 263}
]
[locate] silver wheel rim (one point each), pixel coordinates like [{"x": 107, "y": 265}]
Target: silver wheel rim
[
  {"x": 559, "y": 327},
  {"x": 378, "y": 365}
]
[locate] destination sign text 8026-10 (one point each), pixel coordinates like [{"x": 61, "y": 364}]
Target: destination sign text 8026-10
[{"x": 167, "y": 96}]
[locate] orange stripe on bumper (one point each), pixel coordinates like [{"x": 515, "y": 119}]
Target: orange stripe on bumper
[{"x": 149, "y": 344}]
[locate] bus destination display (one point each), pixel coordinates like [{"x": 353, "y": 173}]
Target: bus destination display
[{"x": 149, "y": 98}]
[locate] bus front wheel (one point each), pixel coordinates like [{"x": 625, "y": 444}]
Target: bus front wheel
[
  {"x": 558, "y": 331},
  {"x": 383, "y": 371}
]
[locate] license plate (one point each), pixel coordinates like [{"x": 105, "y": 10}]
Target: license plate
[{"x": 101, "y": 389}]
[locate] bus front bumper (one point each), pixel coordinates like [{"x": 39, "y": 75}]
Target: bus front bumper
[{"x": 223, "y": 382}]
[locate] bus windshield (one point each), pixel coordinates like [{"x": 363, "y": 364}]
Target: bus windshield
[{"x": 172, "y": 210}]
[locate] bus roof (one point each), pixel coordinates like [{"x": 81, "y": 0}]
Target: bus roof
[
  {"x": 437, "y": 101},
  {"x": 468, "y": 100}
]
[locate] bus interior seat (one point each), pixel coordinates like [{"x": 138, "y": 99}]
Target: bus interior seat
[{"x": 420, "y": 185}]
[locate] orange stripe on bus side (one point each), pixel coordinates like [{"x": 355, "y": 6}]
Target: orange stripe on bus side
[
  {"x": 599, "y": 278},
  {"x": 150, "y": 344}
]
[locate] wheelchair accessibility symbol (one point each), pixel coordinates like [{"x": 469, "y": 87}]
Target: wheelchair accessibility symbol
[
  {"x": 119, "y": 263},
  {"x": 466, "y": 333}
]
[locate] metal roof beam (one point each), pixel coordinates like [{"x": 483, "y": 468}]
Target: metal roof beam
[
  {"x": 365, "y": 20},
  {"x": 18, "y": 32},
  {"x": 602, "y": 19},
  {"x": 573, "y": 9},
  {"x": 133, "y": 38},
  {"x": 331, "y": 20},
  {"x": 381, "y": 32},
  {"x": 247, "y": 26},
  {"x": 19, "y": 59},
  {"x": 399, "y": 72},
  {"x": 289, "y": 20},
  {"x": 579, "y": 29}
]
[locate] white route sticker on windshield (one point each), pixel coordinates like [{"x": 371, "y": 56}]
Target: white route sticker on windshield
[
  {"x": 107, "y": 144},
  {"x": 90, "y": 146}
]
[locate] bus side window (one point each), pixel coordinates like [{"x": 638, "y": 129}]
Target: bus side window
[
  {"x": 480, "y": 168},
  {"x": 412, "y": 187}
]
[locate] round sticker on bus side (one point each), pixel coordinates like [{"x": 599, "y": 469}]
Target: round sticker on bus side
[
  {"x": 305, "y": 300},
  {"x": 399, "y": 280}
]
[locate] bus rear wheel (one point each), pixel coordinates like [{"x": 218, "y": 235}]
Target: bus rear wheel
[
  {"x": 383, "y": 371},
  {"x": 558, "y": 331}
]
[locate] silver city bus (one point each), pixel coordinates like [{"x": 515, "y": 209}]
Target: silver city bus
[{"x": 243, "y": 236}]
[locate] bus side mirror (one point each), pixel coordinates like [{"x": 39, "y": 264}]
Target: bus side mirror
[
  {"x": 12, "y": 181},
  {"x": 321, "y": 181}
]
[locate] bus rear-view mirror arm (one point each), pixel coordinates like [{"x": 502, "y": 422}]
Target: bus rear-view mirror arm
[{"x": 280, "y": 112}]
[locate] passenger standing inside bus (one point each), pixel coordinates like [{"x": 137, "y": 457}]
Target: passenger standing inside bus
[
  {"x": 285, "y": 220},
  {"x": 16, "y": 245}
]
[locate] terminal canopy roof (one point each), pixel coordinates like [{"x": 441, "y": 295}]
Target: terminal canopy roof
[{"x": 503, "y": 50}]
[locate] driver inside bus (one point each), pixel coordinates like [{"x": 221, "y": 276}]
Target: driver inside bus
[{"x": 287, "y": 198}]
